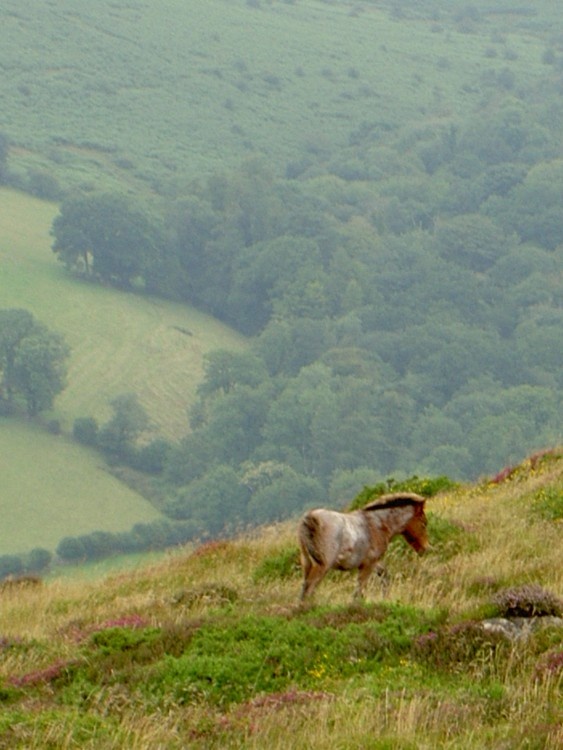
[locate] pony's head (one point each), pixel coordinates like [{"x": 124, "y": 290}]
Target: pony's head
[{"x": 415, "y": 532}]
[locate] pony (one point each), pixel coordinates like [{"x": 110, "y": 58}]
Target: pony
[{"x": 358, "y": 539}]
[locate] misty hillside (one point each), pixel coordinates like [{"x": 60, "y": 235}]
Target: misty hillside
[
  {"x": 208, "y": 648},
  {"x": 319, "y": 242},
  {"x": 162, "y": 93}
]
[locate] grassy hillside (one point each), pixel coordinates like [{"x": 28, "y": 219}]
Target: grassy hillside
[
  {"x": 149, "y": 94},
  {"x": 209, "y": 650},
  {"x": 120, "y": 343}
]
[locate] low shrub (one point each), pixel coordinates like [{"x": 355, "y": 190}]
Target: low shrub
[
  {"x": 529, "y": 600},
  {"x": 456, "y": 647},
  {"x": 548, "y": 503},
  {"x": 282, "y": 566}
]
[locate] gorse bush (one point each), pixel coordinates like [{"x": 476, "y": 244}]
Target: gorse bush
[{"x": 425, "y": 486}]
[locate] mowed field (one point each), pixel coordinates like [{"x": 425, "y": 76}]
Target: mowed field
[
  {"x": 120, "y": 342},
  {"x": 51, "y": 487}
]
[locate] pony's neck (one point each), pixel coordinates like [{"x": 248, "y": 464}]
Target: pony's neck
[{"x": 395, "y": 519}]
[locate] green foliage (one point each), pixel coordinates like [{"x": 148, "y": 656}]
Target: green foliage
[
  {"x": 281, "y": 566},
  {"x": 32, "y": 361},
  {"x": 10, "y": 565},
  {"x": 265, "y": 654},
  {"x": 85, "y": 430},
  {"x": 548, "y": 503},
  {"x": 117, "y": 438},
  {"x": 424, "y": 486},
  {"x": 39, "y": 560},
  {"x": 107, "y": 236},
  {"x": 114, "y": 640}
]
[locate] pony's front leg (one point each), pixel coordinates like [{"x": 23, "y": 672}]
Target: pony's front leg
[
  {"x": 364, "y": 572},
  {"x": 381, "y": 571}
]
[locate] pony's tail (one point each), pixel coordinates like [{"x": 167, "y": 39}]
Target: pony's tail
[{"x": 308, "y": 537}]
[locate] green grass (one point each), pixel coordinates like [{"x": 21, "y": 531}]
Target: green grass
[
  {"x": 153, "y": 95},
  {"x": 52, "y": 487}
]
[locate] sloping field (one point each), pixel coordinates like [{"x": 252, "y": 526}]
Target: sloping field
[
  {"x": 120, "y": 342},
  {"x": 52, "y": 488},
  {"x": 208, "y": 650}
]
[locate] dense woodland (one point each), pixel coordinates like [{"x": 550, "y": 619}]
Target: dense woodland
[
  {"x": 402, "y": 293},
  {"x": 411, "y": 322}
]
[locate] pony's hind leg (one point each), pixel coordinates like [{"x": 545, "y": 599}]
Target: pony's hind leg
[{"x": 314, "y": 574}]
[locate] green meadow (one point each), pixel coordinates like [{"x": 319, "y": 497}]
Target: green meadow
[
  {"x": 120, "y": 342},
  {"x": 52, "y": 487}
]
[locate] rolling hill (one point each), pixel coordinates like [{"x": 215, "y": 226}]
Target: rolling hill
[{"x": 119, "y": 343}]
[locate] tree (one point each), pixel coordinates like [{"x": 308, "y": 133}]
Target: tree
[
  {"x": 226, "y": 369},
  {"x": 4, "y": 148},
  {"x": 472, "y": 240},
  {"x": 39, "y": 560},
  {"x": 85, "y": 430},
  {"x": 217, "y": 500},
  {"x": 32, "y": 360},
  {"x": 533, "y": 207},
  {"x": 105, "y": 235},
  {"x": 40, "y": 369},
  {"x": 15, "y": 324},
  {"x": 117, "y": 438}
]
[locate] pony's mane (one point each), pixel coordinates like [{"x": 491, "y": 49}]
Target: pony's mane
[{"x": 396, "y": 500}]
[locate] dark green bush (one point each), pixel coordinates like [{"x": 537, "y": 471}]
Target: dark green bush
[{"x": 85, "y": 430}]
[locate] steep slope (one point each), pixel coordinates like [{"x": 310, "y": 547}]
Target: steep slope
[{"x": 208, "y": 647}]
